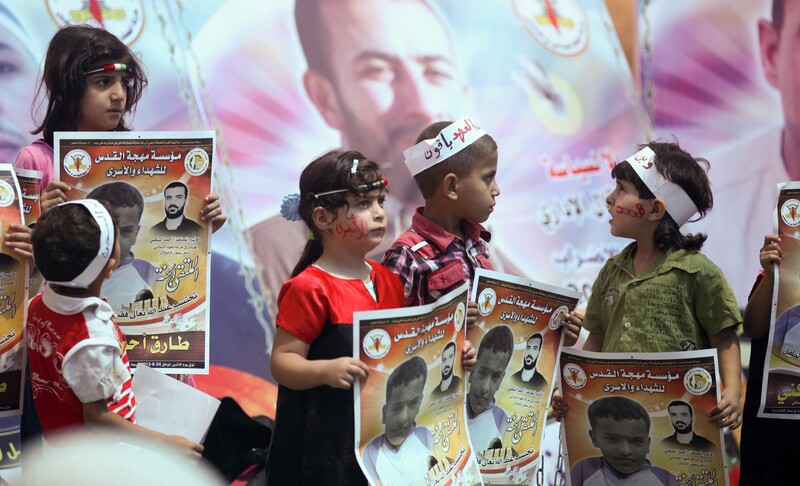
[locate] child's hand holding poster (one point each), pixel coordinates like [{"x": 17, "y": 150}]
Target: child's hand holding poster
[
  {"x": 641, "y": 419},
  {"x": 409, "y": 413},
  {"x": 518, "y": 337},
  {"x": 156, "y": 183}
]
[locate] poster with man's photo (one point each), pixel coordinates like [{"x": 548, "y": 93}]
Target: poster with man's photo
[
  {"x": 641, "y": 418},
  {"x": 517, "y": 337},
  {"x": 156, "y": 183},
  {"x": 409, "y": 413},
  {"x": 780, "y": 395},
  {"x": 13, "y": 300}
]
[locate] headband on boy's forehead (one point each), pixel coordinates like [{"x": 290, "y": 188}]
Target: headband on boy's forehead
[
  {"x": 451, "y": 140},
  {"x": 107, "y": 67},
  {"x": 106, "y": 247},
  {"x": 678, "y": 204}
]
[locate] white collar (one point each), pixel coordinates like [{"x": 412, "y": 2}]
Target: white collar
[{"x": 68, "y": 306}]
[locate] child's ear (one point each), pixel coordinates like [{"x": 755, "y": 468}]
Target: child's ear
[
  {"x": 111, "y": 264},
  {"x": 658, "y": 210},
  {"x": 450, "y": 186},
  {"x": 322, "y": 218}
]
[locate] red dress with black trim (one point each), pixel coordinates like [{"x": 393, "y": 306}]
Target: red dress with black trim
[{"x": 313, "y": 441}]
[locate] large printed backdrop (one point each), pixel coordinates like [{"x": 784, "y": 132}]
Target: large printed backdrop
[{"x": 547, "y": 79}]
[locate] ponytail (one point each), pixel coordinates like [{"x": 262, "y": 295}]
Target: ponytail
[{"x": 311, "y": 252}]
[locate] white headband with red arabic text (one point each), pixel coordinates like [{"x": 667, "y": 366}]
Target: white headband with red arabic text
[
  {"x": 678, "y": 204},
  {"x": 105, "y": 246},
  {"x": 451, "y": 140}
]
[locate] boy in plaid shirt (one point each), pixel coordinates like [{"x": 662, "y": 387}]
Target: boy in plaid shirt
[{"x": 454, "y": 165}]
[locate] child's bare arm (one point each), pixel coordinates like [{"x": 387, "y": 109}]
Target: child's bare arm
[
  {"x": 291, "y": 368},
  {"x": 212, "y": 211},
  {"x": 472, "y": 314},
  {"x": 18, "y": 237},
  {"x": 97, "y": 414},
  {"x": 573, "y": 323},
  {"x": 468, "y": 356},
  {"x": 728, "y": 412},
  {"x": 757, "y": 313}
]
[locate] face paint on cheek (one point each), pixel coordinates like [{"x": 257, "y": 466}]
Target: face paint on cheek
[
  {"x": 637, "y": 213},
  {"x": 352, "y": 225}
]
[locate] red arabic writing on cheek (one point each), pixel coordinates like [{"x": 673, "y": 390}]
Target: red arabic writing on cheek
[
  {"x": 353, "y": 225},
  {"x": 638, "y": 213}
]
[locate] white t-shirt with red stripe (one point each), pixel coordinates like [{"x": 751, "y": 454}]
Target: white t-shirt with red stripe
[{"x": 76, "y": 355}]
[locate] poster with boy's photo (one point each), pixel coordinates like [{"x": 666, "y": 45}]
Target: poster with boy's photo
[
  {"x": 13, "y": 298},
  {"x": 780, "y": 395},
  {"x": 156, "y": 183},
  {"x": 641, "y": 418},
  {"x": 409, "y": 413},
  {"x": 517, "y": 336}
]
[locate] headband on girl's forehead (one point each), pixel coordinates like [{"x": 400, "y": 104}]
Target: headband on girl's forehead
[
  {"x": 380, "y": 183},
  {"x": 451, "y": 140},
  {"x": 107, "y": 67},
  {"x": 678, "y": 204},
  {"x": 105, "y": 249}
]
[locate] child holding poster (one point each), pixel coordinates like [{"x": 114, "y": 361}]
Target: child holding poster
[
  {"x": 454, "y": 165},
  {"x": 92, "y": 81},
  {"x": 75, "y": 247},
  {"x": 341, "y": 202},
  {"x": 660, "y": 294}
]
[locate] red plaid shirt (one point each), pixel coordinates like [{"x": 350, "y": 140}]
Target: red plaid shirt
[{"x": 432, "y": 262}]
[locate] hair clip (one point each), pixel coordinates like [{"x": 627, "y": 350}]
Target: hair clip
[
  {"x": 354, "y": 168},
  {"x": 290, "y": 207},
  {"x": 107, "y": 67}
]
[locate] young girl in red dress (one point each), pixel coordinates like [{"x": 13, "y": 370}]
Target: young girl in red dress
[{"x": 341, "y": 201}]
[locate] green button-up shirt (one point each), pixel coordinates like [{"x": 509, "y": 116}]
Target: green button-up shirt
[{"x": 674, "y": 305}]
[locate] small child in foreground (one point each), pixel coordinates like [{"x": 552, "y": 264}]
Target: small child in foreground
[
  {"x": 80, "y": 371},
  {"x": 660, "y": 294}
]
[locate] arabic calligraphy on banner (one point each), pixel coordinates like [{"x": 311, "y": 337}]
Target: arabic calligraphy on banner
[
  {"x": 156, "y": 183},
  {"x": 518, "y": 337},
  {"x": 655, "y": 402},
  {"x": 409, "y": 413}
]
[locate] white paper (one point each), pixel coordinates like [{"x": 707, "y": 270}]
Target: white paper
[{"x": 168, "y": 406}]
